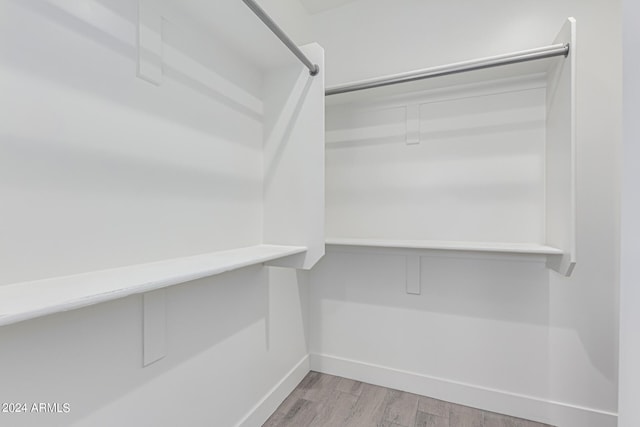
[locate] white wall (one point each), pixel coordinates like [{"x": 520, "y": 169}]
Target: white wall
[
  {"x": 291, "y": 16},
  {"x": 477, "y": 175},
  {"x": 511, "y": 336},
  {"x": 99, "y": 169},
  {"x": 69, "y": 91},
  {"x": 629, "y": 280},
  {"x": 231, "y": 339}
]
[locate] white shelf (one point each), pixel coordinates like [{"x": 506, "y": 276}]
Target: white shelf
[
  {"x": 514, "y": 248},
  {"x": 28, "y": 300}
]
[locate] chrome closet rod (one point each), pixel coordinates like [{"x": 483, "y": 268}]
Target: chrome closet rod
[
  {"x": 459, "y": 67},
  {"x": 275, "y": 29}
]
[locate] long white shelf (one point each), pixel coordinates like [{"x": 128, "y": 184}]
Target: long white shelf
[
  {"x": 28, "y": 300},
  {"x": 514, "y": 248}
]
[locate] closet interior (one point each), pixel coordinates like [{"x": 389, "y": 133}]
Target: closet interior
[
  {"x": 195, "y": 151},
  {"x": 275, "y": 106},
  {"x": 476, "y": 156}
]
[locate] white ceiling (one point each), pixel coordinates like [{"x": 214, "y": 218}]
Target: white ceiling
[{"x": 317, "y": 6}]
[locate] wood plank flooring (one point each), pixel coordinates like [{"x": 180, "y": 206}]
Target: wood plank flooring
[{"x": 322, "y": 400}]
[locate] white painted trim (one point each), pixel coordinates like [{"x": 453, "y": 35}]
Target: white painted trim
[
  {"x": 546, "y": 411},
  {"x": 274, "y": 397}
]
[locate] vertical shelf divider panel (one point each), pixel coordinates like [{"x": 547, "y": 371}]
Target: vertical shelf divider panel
[
  {"x": 294, "y": 160},
  {"x": 561, "y": 155}
]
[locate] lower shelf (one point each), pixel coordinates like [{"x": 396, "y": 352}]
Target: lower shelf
[
  {"x": 514, "y": 248},
  {"x": 28, "y": 300}
]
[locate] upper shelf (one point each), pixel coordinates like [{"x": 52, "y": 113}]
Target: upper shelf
[
  {"x": 514, "y": 248},
  {"x": 28, "y": 300}
]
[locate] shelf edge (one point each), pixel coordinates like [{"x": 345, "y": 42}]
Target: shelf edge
[
  {"x": 535, "y": 249},
  {"x": 234, "y": 257}
]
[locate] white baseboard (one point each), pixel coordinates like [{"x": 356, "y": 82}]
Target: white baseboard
[
  {"x": 545, "y": 411},
  {"x": 274, "y": 397}
]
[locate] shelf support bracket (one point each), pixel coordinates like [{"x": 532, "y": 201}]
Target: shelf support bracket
[
  {"x": 413, "y": 274},
  {"x": 149, "y": 42},
  {"x": 413, "y": 124},
  {"x": 154, "y": 326}
]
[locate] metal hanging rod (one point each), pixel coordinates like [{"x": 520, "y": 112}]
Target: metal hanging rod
[
  {"x": 459, "y": 67},
  {"x": 275, "y": 29}
]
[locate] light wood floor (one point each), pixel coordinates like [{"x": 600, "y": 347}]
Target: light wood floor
[{"x": 322, "y": 400}]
